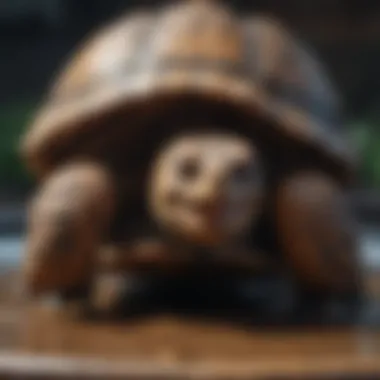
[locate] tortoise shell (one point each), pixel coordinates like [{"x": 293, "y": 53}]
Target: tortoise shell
[{"x": 145, "y": 61}]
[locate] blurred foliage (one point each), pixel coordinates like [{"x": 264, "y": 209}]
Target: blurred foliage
[
  {"x": 13, "y": 120},
  {"x": 365, "y": 135},
  {"x": 15, "y": 117}
]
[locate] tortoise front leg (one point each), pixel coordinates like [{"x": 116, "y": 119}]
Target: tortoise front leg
[
  {"x": 123, "y": 269},
  {"x": 67, "y": 220},
  {"x": 317, "y": 234}
]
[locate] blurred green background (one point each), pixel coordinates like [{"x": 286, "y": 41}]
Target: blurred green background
[
  {"x": 36, "y": 37},
  {"x": 365, "y": 135},
  {"x": 14, "y": 118}
]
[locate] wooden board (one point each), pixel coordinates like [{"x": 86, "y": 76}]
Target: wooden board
[{"x": 40, "y": 342}]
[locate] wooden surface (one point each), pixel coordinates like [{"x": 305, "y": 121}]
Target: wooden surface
[{"x": 40, "y": 342}]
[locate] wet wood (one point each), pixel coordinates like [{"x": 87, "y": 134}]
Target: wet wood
[{"x": 41, "y": 342}]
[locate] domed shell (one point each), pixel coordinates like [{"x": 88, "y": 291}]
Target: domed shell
[{"x": 196, "y": 48}]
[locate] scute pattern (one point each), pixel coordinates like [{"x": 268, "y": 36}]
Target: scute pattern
[{"x": 201, "y": 48}]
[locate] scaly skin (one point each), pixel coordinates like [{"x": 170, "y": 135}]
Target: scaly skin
[
  {"x": 206, "y": 188},
  {"x": 205, "y": 191},
  {"x": 196, "y": 184},
  {"x": 67, "y": 220},
  {"x": 317, "y": 233}
]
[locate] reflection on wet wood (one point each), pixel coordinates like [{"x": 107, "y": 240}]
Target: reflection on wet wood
[{"x": 39, "y": 342}]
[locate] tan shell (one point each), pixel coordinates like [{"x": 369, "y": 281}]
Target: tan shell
[{"x": 196, "y": 48}]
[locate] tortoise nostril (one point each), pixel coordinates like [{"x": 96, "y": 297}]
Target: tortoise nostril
[
  {"x": 242, "y": 172},
  {"x": 173, "y": 198}
]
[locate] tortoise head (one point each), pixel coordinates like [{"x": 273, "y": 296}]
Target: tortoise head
[{"x": 206, "y": 187}]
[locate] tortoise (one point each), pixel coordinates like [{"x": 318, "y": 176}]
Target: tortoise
[{"x": 133, "y": 93}]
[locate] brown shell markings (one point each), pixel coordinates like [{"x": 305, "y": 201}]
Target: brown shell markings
[{"x": 194, "y": 47}]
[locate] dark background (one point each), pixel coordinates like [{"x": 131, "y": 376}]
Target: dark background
[{"x": 36, "y": 36}]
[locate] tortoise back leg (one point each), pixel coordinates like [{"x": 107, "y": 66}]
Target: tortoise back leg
[
  {"x": 317, "y": 234},
  {"x": 67, "y": 219}
]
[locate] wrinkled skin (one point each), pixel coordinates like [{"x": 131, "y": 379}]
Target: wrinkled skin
[
  {"x": 319, "y": 239},
  {"x": 204, "y": 189},
  {"x": 207, "y": 188},
  {"x": 67, "y": 220}
]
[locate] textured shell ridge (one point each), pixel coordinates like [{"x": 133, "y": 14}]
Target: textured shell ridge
[
  {"x": 198, "y": 47},
  {"x": 105, "y": 52}
]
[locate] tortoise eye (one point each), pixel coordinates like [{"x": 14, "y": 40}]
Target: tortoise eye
[
  {"x": 242, "y": 172},
  {"x": 189, "y": 169}
]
